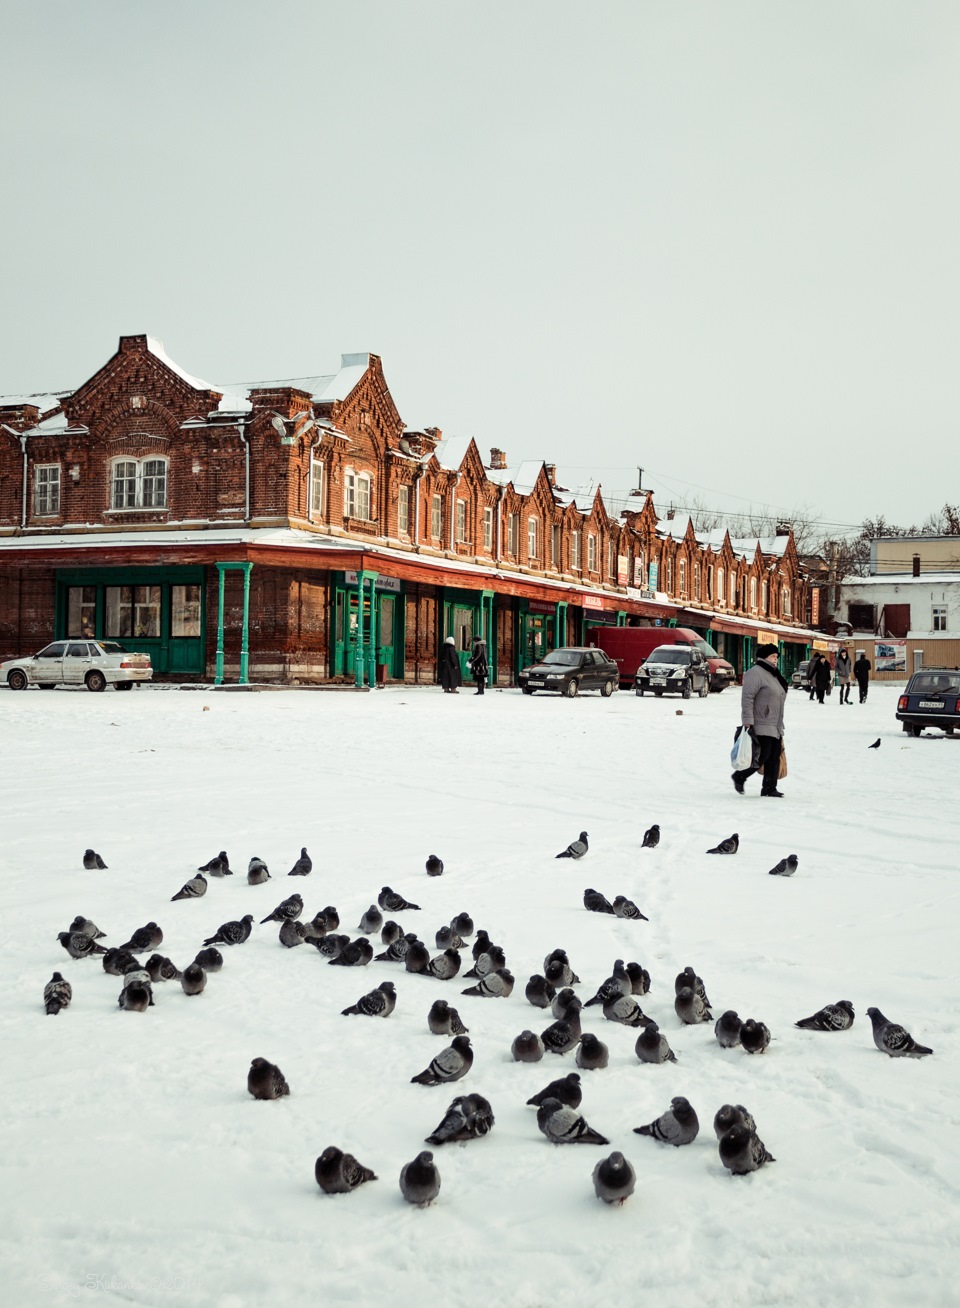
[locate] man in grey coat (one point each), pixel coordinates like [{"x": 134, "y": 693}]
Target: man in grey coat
[{"x": 762, "y": 698}]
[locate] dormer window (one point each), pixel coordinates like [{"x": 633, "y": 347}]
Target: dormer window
[
  {"x": 138, "y": 484},
  {"x": 46, "y": 490}
]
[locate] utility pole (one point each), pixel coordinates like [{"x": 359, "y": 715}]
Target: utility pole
[{"x": 832, "y": 596}]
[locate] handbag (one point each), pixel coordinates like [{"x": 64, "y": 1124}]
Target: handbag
[
  {"x": 782, "y": 772},
  {"x": 741, "y": 756}
]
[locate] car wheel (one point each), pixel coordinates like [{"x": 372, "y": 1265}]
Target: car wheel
[
  {"x": 124, "y": 685},
  {"x": 607, "y": 689},
  {"x": 914, "y": 731},
  {"x": 17, "y": 679},
  {"x": 526, "y": 690},
  {"x": 686, "y": 692},
  {"x": 705, "y": 689},
  {"x": 572, "y": 688},
  {"x": 96, "y": 681}
]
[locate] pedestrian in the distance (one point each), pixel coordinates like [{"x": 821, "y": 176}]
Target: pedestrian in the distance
[
  {"x": 822, "y": 677},
  {"x": 478, "y": 664},
  {"x": 844, "y": 673},
  {"x": 861, "y": 670},
  {"x": 762, "y": 698},
  {"x": 812, "y": 674},
  {"x": 450, "y": 677}
]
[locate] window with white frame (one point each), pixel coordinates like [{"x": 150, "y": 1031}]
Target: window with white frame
[
  {"x": 786, "y": 604},
  {"x": 317, "y": 489},
  {"x": 591, "y": 552},
  {"x": 733, "y": 590},
  {"x": 753, "y": 594},
  {"x": 403, "y": 510},
  {"x": 696, "y": 581},
  {"x": 721, "y": 593},
  {"x": 575, "y": 551},
  {"x": 357, "y": 495},
  {"x": 682, "y": 577},
  {"x": 532, "y": 538},
  {"x": 556, "y": 537},
  {"x": 488, "y": 528},
  {"x": 669, "y": 576},
  {"x": 939, "y": 617},
  {"x": 765, "y": 597},
  {"x": 461, "y": 522},
  {"x": 513, "y": 534},
  {"x": 46, "y": 489},
  {"x": 138, "y": 484},
  {"x": 436, "y": 517}
]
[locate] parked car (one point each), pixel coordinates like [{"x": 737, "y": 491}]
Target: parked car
[
  {"x": 931, "y": 699},
  {"x": 570, "y": 670},
  {"x": 801, "y": 675},
  {"x": 630, "y": 646},
  {"x": 674, "y": 670},
  {"x": 95, "y": 664}
]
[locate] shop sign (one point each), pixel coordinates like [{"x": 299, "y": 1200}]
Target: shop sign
[
  {"x": 890, "y": 656},
  {"x": 638, "y": 573},
  {"x": 541, "y": 606},
  {"x": 767, "y": 638},
  {"x": 382, "y": 583},
  {"x": 591, "y": 602},
  {"x": 623, "y": 569},
  {"x": 654, "y": 574},
  {"x": 814, "y": 606}
]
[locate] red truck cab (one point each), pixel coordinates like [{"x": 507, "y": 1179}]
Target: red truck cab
[{"x": 630, "y": 646}]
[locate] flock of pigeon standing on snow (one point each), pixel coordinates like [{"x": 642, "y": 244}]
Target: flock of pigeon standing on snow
[{"x": 471, "y": 1116}]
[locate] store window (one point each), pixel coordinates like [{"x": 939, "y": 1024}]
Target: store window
[
  {"x": 82, "y": 610},
  {"x": 463, "y": 627},
  {"x": 46, "y": 489},
  {"x": 184, "y": 610},
  {"x": 133, "y": 611}
]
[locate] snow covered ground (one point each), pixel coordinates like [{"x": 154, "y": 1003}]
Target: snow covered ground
[{"x": 134, "y": 1162}]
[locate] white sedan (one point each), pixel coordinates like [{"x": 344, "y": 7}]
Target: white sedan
[{"x": 95, "y": 664}]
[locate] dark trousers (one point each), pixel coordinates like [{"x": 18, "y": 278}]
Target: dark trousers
[
  {"x": 481, "y": 683},
  {"x": 821, "y": 691},
  {"x": 768, "y": 763},
  {"x": 863, "y": 689}
]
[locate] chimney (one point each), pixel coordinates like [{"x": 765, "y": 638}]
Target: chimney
[
  {"x": 497, "y": 458},
  {"x": 784, "y": 528},
  {"x": 551, "y": 471},
  {"x": 916, "y": 565}
]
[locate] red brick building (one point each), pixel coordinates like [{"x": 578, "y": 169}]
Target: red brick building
[{"x": 155, "y": 508}]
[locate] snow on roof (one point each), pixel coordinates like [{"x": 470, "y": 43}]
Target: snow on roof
[
  {"x": 902, "y": 579},
  {"x": 333, "y": 386},
  {"x": 451, "y": 451},
  {"x": 41, "y": 402},
  {"x": 228, "y": 403}
]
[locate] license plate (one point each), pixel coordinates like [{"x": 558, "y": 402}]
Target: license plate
[
  {"x": 658, "y": 681},
  {"x": 932, "y": 703},
  {"x": 534, "y": 683}
]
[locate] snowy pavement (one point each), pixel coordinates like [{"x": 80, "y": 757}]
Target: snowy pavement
[{"x": 134, "y": 1162}]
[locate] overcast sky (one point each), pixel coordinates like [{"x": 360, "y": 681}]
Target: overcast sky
[{"x": 719, "y": 240}]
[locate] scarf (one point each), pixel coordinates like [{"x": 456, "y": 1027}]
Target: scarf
[{"x": 774, "y": 672}]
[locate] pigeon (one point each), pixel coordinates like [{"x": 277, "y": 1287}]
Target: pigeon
[
  {"x": 376, "y": 1003},
  {"x": 92, "y": 860},
  {"x": 394, "y": 903},
  {"x": 57, "y": 994},
  {"x": 538, "y": 991},
  {"x": 678, "y": 1126},
  {"x": 390, "y": 931},
  {"x": 625, "y": 1010},
  {"x": 562, "y": 1036},
  {"x": 194, "y": 979},
  {"x": 232, "y": 933},
  {"x": 592, "y": 1054},
  {"x": 594, "y": 902},
  {"x": 624, "y": 907},
  {"x": 417, "y": 956},
  {"x": 445, "y": 966},
  {"x": 527, "y": 1048},
  {"x": 651, "y": 837},
  {"x": 488, "y": 962},
  {"x": 337, "y": 1172},
  {"x": 613, "y": 988},
  {"x": 786, "y": 867},
  {"x": 730, "y": 1115},
  {"x": 159, "y": 968},
  {"x": 727, "y": 1029},
  {"x": 420, "y": 1180},
  {"x": 652, "y": 1047},
  {"x": 287, "y": 911},
  {"x": 136, "y": 998},
  {"x": 218, "y": 866},
  {"x": 494, "y": 985},
  {"x": 614, "y": 1179},
  {"x": 562, "y": 1125},
  {"x": 191, "y": 889},
  {"x": 356, "y": 953},
  {"x": 371, "y": 922},
  {"x": 444, "y": 1020},
  {"x": 316, "y": 928},
  {"x": 397, "y": 951},
  {"x": 330, "y": 916},
  {"x": 292, "y": 934},
  {"x": 639, "y": 978},
  {"x": 832, "y": 1017},
  {"x": 266, "y": 1081},
  {"x": 564, "y": 1003},
  {"x": 557, "y": 970},
  {"x": 576, "y": 848},
  {"x": 79, "y": 945},
  {"x": 467, "y": 1118},
  {"x": 144, "y": 938},
  {"x": 434, "y": 866},
  {"x": 690, "y": 1008},
  {"x": 893, "y": 1039},
  {"x": 116, "y": 961},
  {"x": 211, "y": 960},
  {"x": 454, "y": 1062},
  {"x": 303, "y": 866},
  {"x": 688, "y": 977},
  {"x": 728, "y": 846},
  {"x": 462, "y": 924},
  {"x": 754, "y": 1036},
  {"x": 81, "y": 923},
  {"x": 137, "y": 975},
  {"x": 742, "y": 1150},
  {"x": 875, "y": 745},
  {"x": 257, "y": 872},
  {"x": 567, "y": 1090},
  {"x": 447, "y": 938}
]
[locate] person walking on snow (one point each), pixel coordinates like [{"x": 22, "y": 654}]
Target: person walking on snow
[
  {"x": 762, "y": 697},
  {"x": 844, "y": 671},
  {"x": 450, "y": 677},
  {"x": 861, "y": 670},
  {"x": 478, "y": 664},
  {"x": 822, "y": 677},
  {"x": 812, "y": 674}
]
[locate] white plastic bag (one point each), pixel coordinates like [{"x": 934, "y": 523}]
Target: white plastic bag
[{"x": 741, "y": 756}]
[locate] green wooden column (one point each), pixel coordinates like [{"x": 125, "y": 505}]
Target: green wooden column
[
  {"x": 222, "y": 569},
  {"x": 218, "y": 679},
  {"x": 245, "y": 633},
  {"x": 489, "y": 634},
  {"x": 373, "y": 634},
  {"x": 561, "y": 634},
  {"x": 366, "y": 644},
  {"x": 621, "y": 617}
]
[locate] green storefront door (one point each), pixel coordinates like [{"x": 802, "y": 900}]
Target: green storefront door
[
  {"x": 387, "y": 635},
  {"x": 463, "y": 620}
]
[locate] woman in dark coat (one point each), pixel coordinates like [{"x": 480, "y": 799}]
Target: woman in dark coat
[
  {"x": 861, "y": 670},
  {"x": 478, "y": 664},
  {"x": 449, "y": 667},
  {"x": 822, "y": 678}
]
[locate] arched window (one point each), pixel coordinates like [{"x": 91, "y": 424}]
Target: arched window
[
  {"x": 696, "y": 581},
  {"x": 787, "y": 605},
  {"x": 682, "y": 577},
  {"x": 733, "y": 590},
  {"x": 721, "y": 593},
  {"x": 138, "y": 484},
  {"x": 753, "y": 594}
]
